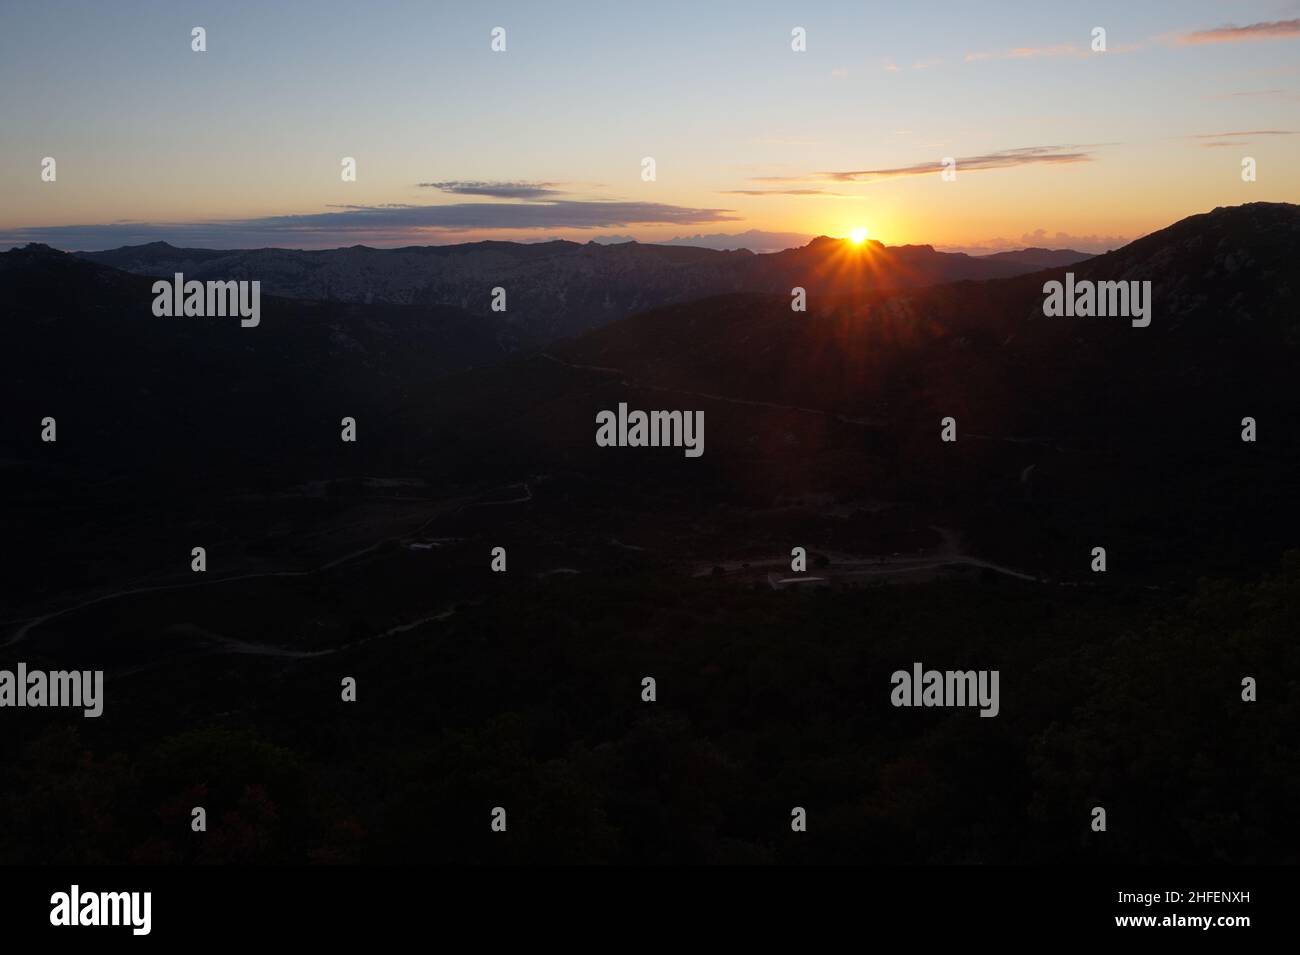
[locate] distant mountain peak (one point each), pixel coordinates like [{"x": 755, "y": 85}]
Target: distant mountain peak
[{"x": 36, "y": 250}]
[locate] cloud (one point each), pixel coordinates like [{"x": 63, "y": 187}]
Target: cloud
[
  {"x": 1026, "y": 156},
  {"x": 1284, "y": 94},
  {"x": 786, "y": 192},
  {"x": 369, "y": 224},
  {"x": 1270, "y": 30},
  {"x": 1030, "y": 52},
  {"x": 344, "y": 205},
  {"x": 1041, "y": 238},
  {"x": 1070, "y": 49},
  {"x": 497, "y": 190},
  {"x": 1217, "y": 140},
  {"x": 1251, "y": 132},
  {"x": 1249, "y": 93}
]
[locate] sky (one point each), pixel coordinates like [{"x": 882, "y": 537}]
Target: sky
[{"x": 242, "y": 145}]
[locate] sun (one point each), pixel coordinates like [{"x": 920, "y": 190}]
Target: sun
[{"x": 858, "y": 235}]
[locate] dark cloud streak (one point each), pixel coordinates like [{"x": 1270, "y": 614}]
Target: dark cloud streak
[{"x": 496, "y": 190}]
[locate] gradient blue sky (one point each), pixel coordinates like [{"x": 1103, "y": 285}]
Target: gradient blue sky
[{"x": 240, "y": 146}]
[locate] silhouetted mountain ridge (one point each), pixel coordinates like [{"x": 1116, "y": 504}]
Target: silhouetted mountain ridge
[{"x": 558, "y": 289}]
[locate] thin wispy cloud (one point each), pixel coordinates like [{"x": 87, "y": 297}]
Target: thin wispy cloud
[
  {"x": 778, "y": 141},
  {"x": 497, "y": 190},
  {"x": 1070, "y": 50},
  {"x": 1217, "y": 140},
  {"x": 785, "y": 192},
  {"x": 1249, "y": 132},
  {"x": 1029, "y": 52},
  {"x": 1003, "y": 159},
  {"x": 383, "y": 205},
  {"x": 1270, "y": 30},
  {"x": 386, "y": 224},
  {"x": 1280, "y": 94}
]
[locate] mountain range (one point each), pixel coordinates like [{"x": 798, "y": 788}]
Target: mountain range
[
  {"x": 560, "y": 289},
  {"x": 844, "y": 398}
]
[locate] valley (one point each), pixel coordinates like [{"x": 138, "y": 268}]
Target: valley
[{"x": 372, "y": 561}]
